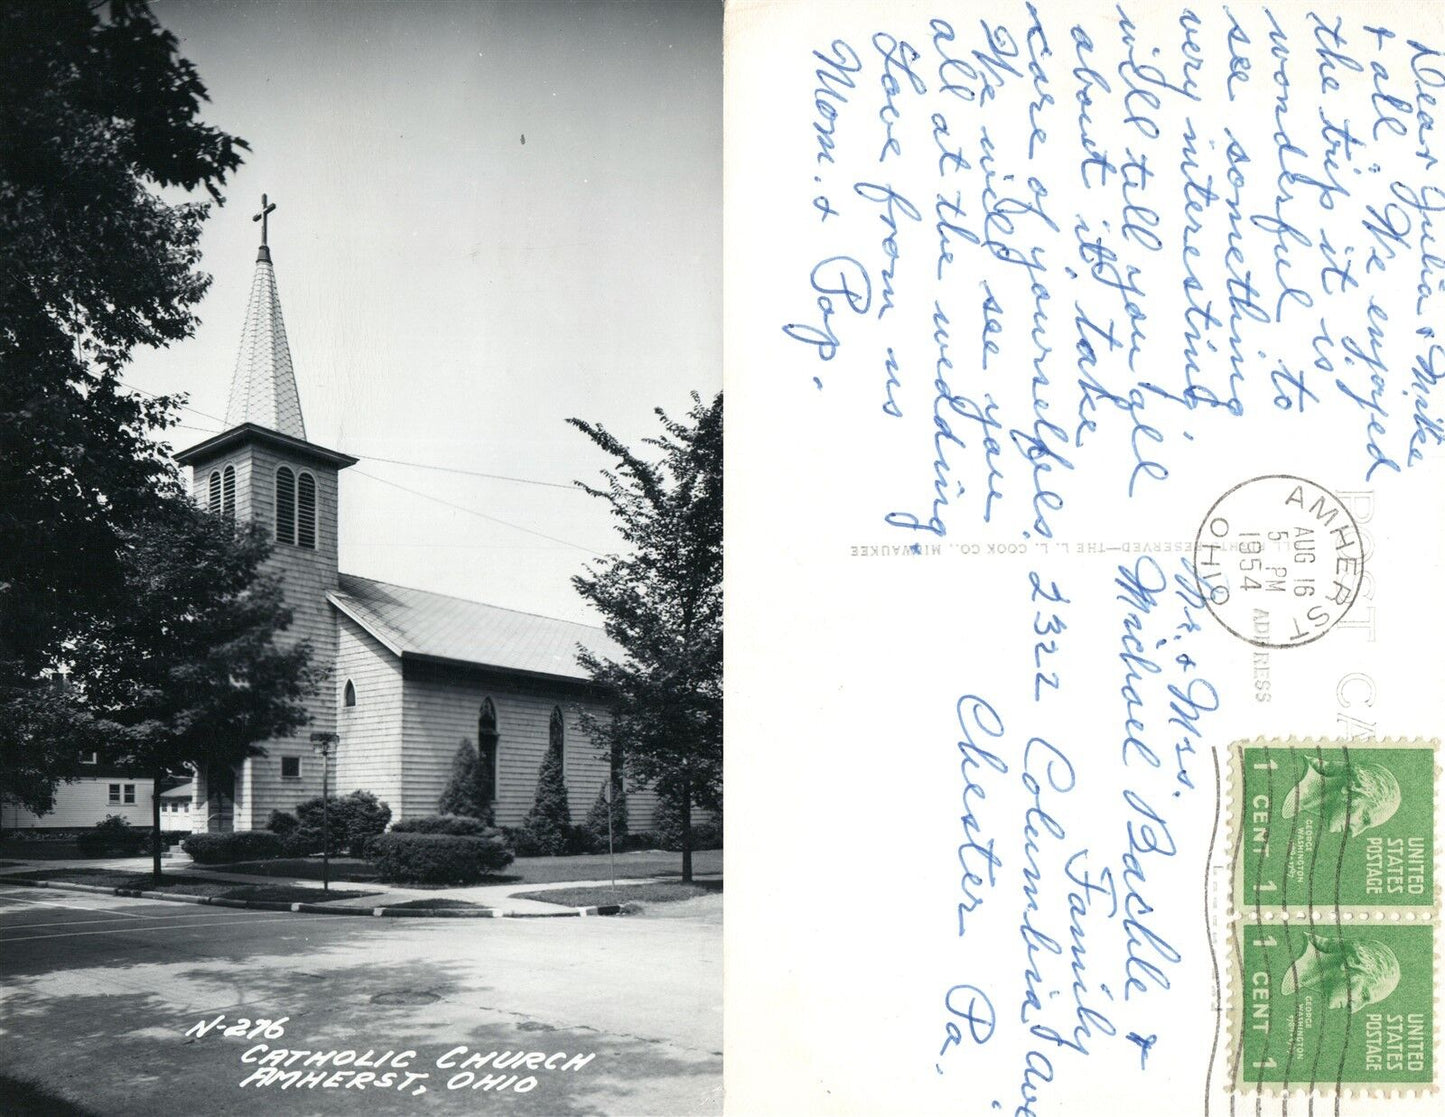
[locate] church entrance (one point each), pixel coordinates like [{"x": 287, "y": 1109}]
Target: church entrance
[{"x": 220, "y": 798}]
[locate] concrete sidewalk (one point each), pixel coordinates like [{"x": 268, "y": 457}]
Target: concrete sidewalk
[{"x": 500, "y": 898}]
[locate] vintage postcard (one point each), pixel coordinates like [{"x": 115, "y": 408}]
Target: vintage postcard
[
  {"x": 1085, "y": 557},
  {"x": 316, "y": 761}
]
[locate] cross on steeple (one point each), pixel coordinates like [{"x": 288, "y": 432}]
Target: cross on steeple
[{"x": 266, "y": 208}]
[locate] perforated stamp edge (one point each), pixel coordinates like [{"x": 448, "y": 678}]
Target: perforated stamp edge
[{"x": 1229, "y": 921}]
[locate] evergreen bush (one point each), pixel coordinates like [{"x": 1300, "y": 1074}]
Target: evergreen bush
[
  {"x": 283, "y": 823},
  {"x": 522, "y": 842},
  {"x": 440, "y": 858},
  {"x": 442, "y": 824},
  {"x": 549, "y": 823},
  {"x": 596, "y": 823},
  {"x": 464, "y": 793},
  {"x": 707, "y": 829},
  {"x": 239, "y": 845},
  {"x": 354, "y": 820},
  {"x": 114, "y": 836}
]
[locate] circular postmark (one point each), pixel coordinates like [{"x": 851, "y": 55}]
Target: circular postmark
[{"x": 1279, "y": 560}]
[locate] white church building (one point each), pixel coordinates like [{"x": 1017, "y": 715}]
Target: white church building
[{"x": 412, "y": 673}]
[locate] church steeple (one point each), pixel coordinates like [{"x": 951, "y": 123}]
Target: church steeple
[{"x": 263, "y": 387}]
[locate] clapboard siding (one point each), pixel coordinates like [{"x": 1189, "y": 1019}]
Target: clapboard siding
[
  {"x": 441, "y": 709},
  {"x": 307, "y": 576},
  {"x": 369, "y": 757},
  {"x": 83, "y": 802},
  {"x": 641, "y": 804},
  {"x": 400, "y": 739}
]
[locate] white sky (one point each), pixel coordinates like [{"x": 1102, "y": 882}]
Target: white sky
[{"x": 451, "y": 293}]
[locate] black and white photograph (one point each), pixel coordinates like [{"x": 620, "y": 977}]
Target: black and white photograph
[{"x": 361, "y": 557}]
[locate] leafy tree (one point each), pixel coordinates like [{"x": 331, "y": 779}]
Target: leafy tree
[
  {"x": 549, "y": 822},
  {"x": 97, "y": 114},
  {"x": 662, "y": 602},
  {"x": 465, "y": 793},
  {"x": 38, "y": 717},
  {"x": 192, "y": 672}
]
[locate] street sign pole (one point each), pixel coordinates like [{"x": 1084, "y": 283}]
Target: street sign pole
[{"x": 611, "y": 856}]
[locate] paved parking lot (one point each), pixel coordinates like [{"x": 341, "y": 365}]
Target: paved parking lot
[{"x": 97, "y": 994}]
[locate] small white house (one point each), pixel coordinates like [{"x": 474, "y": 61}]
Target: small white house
[
  {"x": 176, "y": 807},
  {"x": 86, "y": 802}
]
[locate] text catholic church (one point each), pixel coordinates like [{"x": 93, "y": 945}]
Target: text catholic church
[{"x": 412, "y": 673}]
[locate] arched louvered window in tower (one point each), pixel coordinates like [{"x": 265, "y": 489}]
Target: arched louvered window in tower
[
  {"x": 228, "y": 492},
  {"x": 487, "y": 750},
  {"x": 213, "y": 503},
  {"x": 556, "y": 738},
  {"x": 306, "y": 511},
  {"x": 349, "y": 695},
  {"x": 285, "y": 506}
]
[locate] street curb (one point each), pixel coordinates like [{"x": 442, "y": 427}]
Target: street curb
[{"x": 312, "y": 909}]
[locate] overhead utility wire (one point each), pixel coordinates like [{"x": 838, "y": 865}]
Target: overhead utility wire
[
  {"x": 474, "y": 512},
  {"x": 388, "y": 461}
]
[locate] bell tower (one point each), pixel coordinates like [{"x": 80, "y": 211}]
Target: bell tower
[{"x": 263, "y": 468}]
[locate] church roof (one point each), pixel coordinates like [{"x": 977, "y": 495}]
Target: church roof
[
  {"x": 411, "y": 622},
  {"x": 263, "y": 388}
]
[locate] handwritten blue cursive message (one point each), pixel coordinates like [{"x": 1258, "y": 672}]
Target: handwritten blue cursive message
[{"x": 1100, "y": 266}]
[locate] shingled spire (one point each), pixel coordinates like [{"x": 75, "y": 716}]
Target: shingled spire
[{"x": 263, "y": 388}]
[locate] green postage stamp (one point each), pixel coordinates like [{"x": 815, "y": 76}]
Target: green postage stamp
[
  {"x": 1335, "y": 915},
  {"x": 1327, "y": 824}
]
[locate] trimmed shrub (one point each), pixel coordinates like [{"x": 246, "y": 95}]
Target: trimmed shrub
[
  {"x": 283, "y": 823},
  {"x": 463, "y": 794},
  {"x": 707, "y": 834},
  {"x": 114, "y": 836},
  {"x": 549, "y": 822},
  {"x": 582, "y": 840},
  {"x": 667, "y": 819},
  {"x": 300, "y": 843},
  {"x": 442, "y": 824},
  {"x": 596, "y": 823},
  {"x": 354, "y": 820},
  {"x": 296, "y": 841},
  {"x": 522, "y": 842},
  {"x": 240, "y": 845},
  {"x": 440, "y": 858}
]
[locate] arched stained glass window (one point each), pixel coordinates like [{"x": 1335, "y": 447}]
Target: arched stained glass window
[
  {"x": 285, "y": 506},
  {"x": 213, "y": 503},
  {"x": 487, "y": 750},
  {"x": 306, "y": 511},
  {"x": 349, "y": 696},
  {"x": 556, "y": 737},
  {"x": 228, "y": 492}
]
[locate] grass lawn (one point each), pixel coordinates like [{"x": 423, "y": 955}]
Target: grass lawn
[
  {"x": 439, "y": 902},
  {"x": 524, "y": 870},
  {"x": 192, "y": 886},
  {"x": 639, "y": 863},
  {"x": 661, "y": 892},
  {"x": 351, "y": 869}
]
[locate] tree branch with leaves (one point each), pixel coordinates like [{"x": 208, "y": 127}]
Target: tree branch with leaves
[
  {"x": 661, "y": 600},
  {"x": 192, "y": 674},
  {"x": 99, "y": 114}
]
